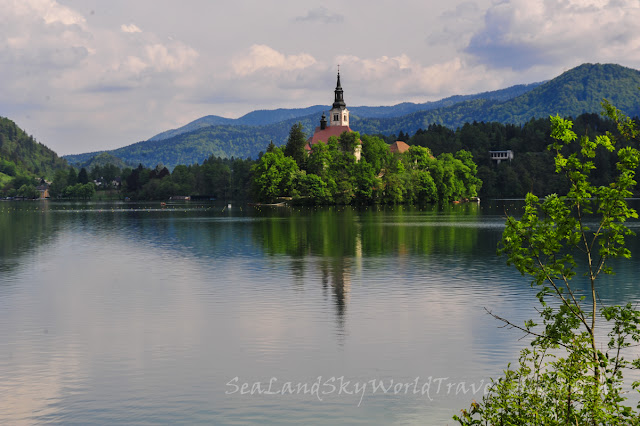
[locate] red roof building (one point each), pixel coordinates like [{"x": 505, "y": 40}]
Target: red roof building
[
  {"x": 399, "y": 147},
  {"x": 323, "y": 135},
  {"x": 339, "y": 122}
]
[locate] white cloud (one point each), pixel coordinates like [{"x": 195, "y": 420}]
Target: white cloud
[
  {"x": 49, "y": 11},
  {"x": 401, "y": 78},
  {"x": 321, "y": 15},
  {"x": 71, "y": 69},
  {"x": 69, "y": 75},
  {"x": 261, "y": 57},
  {"x": 173, "y": 57},
  {"x": 131, "y": 28},
  {"x": 520, "y": 34}
]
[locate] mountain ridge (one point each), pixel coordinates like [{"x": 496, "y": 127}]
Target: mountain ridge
[
  {"x": 575, "y": 91},
  {"x": 265, "y": 117}
]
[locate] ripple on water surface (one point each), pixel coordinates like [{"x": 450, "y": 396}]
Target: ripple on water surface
[{"x": 141, "y": 314}]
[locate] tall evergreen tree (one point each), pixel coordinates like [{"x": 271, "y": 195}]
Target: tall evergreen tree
[
  {"x": 83, "y": 176},
  {"x": 72, "y": 177},
  {"x": 295, "y": 144}
]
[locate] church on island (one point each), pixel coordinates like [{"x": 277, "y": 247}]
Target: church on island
[{"x": 338, "y": 123}]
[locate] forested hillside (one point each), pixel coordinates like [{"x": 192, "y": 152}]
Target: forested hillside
[
  {"x": 27, "y": 155},
  {"x": 533, "y": 167},
  {"x": 24, "y": 161},
  {"x": 575, "y": 92},
  {"x": 578, "y": 91},
  {"x": 102, "y": 159},
  {"x": 194, "y": 147},
  {"x": 268, "y": 117}
]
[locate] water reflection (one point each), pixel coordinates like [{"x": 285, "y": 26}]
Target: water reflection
[
  {"x": 24, "y": 226},
  {"x": 149, "y": 312}
]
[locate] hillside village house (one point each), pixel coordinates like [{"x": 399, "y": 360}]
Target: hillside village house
[{"x": 499, "y": 156}]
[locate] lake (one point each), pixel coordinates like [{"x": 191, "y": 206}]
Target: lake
[{"x": 196, "y": 313}]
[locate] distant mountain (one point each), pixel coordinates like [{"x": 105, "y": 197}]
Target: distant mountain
[
  {"x": 574, "y": 92},
  {"x": 207, "y": 121},
  {"x": 101, "y": 159},
  {"x": 266, "y": 117},
  {"x": 409, "y": 108},
  {"x": 22, "y": 154},
  {"x": 254, "y": 118}
]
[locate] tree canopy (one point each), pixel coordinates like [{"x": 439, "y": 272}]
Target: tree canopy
[{"x": 573, "y": 371}]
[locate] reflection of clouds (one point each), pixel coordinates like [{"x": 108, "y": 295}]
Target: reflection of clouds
[
  {"x": 106, "y": 317},
  {"x": 151, "y": 317},
  {"x": 35, "y": 386}
]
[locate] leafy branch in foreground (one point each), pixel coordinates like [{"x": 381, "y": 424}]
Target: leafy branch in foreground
[{"x": 573, "y": 371}]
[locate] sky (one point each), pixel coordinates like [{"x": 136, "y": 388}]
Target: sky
[{"x": 89, "y": 75}]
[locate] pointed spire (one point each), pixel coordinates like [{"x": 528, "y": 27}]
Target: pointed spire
[{"x": 339, "y": 95}]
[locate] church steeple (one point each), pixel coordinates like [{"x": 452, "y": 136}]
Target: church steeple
[
  {"x": 339, "y": 95},
  {"x": 339, "y": 114}
]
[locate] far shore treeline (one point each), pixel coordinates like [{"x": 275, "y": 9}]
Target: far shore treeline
[{"x": 441, "y": 165}]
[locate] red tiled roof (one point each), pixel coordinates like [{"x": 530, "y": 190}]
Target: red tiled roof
[
  {"x": 324, "y": 135},
  {"x": 399, "y": 146}
]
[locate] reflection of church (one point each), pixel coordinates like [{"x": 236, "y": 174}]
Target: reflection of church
[
  {"x": 338, "y": 123},
  {"x": 336, "y": 273}
]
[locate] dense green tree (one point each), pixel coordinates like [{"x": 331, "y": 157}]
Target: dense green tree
[
  {"x": 574, "y": 370},
  {"x": 59, "y": 183},
  {"x": 96, "y": 173},
  {"x": 414, "y": 177},
  {"x": 274, "y": 175},
  {"x": 159, "y": 189},
  {"x": 295, "y": 145},
  {"x": 83, "y": 176},
  {"x": 72, "y": 177},
  {"x": 394, "y": 189},
  {"x": 217, "y": 174},
  {"x": 28, "y": 191},
  {"x": 467, "y": 172},
  {"x": 184, "y": 179},
  {"x": 110, "y": 172},
  {"x": 419, "y": 157},
  {"x": 366, "y": 185},
  {"x": 20, "y": 180},
  {"x": 376, "y": 152},
  {"x": 313, "y": 189},
  {"x": 349, "y": 142},
  {"x": 241, "y": 179},
  {"x": 79, "y": 190},
  {"x": 319, "y": 160},
  {"x": 7, "y": 167}
]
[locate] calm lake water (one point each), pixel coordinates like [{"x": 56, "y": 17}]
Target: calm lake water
[{"x": 138, "y": 314}]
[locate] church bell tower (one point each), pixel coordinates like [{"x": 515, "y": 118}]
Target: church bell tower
[{"x": 339, "y": 114}]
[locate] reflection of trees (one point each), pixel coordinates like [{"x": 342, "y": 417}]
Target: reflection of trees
[
  {"x": 346, "y": 231},
  {"x": 24, "y": 226},
  {"x": 335, "y": 236}
]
